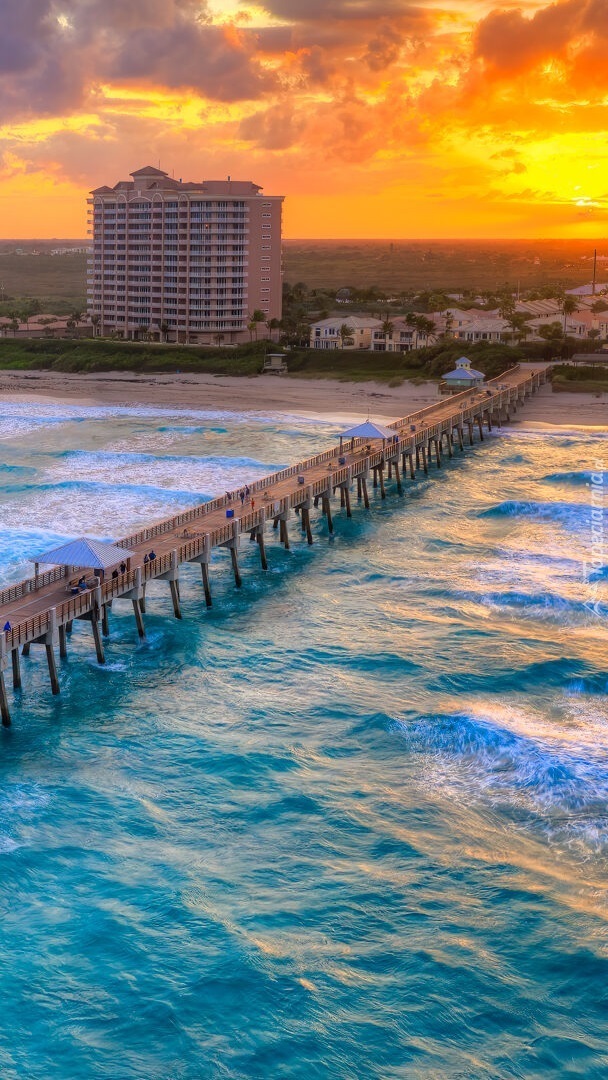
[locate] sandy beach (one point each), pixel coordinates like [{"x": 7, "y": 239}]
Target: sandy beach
[{"x": 308, "y": 397}]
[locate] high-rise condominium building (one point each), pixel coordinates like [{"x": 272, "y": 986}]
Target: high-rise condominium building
[{"x": 184, "y": 262}]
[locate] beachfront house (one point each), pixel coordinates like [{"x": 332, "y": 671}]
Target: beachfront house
[
  {"x": 400, "y": 338},
  {"x": 331, "y": 333}
]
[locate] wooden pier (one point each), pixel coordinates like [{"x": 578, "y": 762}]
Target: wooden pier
[{"x": 41, "y": 610}]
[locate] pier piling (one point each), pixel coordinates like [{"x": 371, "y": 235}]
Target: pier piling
[
  {"x": 138, "y": 618},
  {"x": 4, "y": 709},
  {"x": 16, "y": 669}
]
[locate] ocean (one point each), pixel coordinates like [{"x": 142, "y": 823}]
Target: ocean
[{"x": 352, "y": 821}]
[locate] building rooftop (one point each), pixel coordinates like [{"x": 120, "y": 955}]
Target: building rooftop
[{"x": 152, "y": 179}]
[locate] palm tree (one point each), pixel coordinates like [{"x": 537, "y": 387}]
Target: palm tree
[
  {"x": 345, "y": 332},
  {"x": 218, "y": 338},
  {"x": 95, "y": 321},
  {"x": 387, "y": 330},
  {"x": 569, "y": 305},
  {"x": 516, "y": 322},
  {"x": 272, "y": 324},
  {"x": 425, "y": 328},
  {"x": 164, "y": 330},
  {"x": 255, "y": 319}
]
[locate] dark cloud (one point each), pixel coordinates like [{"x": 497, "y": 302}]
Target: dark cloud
[
  {"x": 344, "y": 11},
  {"x": 384, "y": 48},
  {"x": 272, "y": 129},
  {"x": 219, "y": 63},
  {"x": 51, "y": 54}
]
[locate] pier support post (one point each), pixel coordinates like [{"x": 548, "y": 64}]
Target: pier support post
[
  {"x": 97, "y": 639},
  {"x": 365, "y": 492},
  {"x": 174, "y": 587},
  {"x": 460, "y": 437},
  {"x": 206, "y": 585},
  {"x": 425, "y": 464},
  {"x": 138, "y": 618},
  {"x": 410, "y": 458},
  {"x": 306, "y": 523},
  {"x": 470, "y": 427},
  {"x": 359, "y": 492},
  {"x": 480, "y": 426},
  {"x": 50, "y": 652},
  {"x": 142, "y": 599},
  {"x": 438, "y": 452},
  {"x": 382, "y": 487},
  {"x": 327, "y": 511},
  {"x": 26, "y": 649},
  {"x": 50, "y": 659},
  {"x": 105, "y": 624},
  {"x": 4, "y": 709},
  {"x": 63, "y": 645},
  {"x": 448, "y": 439},
  {"x": 238, "y": 581},
  {"x": 284, "y": 533},
  {"x": 398, "y": 479},
  {"x": 203, "y": 558},
  {"x": 262, "y": 546},
  {"x": 16, "y": 669}
]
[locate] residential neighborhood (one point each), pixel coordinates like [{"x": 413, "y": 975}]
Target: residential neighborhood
[{"x": 513, "y": 324}]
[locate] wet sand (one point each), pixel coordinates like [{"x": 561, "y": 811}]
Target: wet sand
[{"x": 267, "y": 393}]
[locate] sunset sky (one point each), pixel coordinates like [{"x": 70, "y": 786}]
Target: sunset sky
[{"x": 449, "y": 118}]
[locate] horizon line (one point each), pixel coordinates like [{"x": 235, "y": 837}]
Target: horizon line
[{"x": 365, "y": 240}]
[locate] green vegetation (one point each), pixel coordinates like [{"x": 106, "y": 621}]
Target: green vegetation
[
  {"x": 583, "y": 379},
  {"x": 65, "y": 354},
  {"x": 95, "y": 356},
  {"x": 58, "y": 281},
  {"x": 393, "y": 368},
  {"x": 438, "y": 265}
]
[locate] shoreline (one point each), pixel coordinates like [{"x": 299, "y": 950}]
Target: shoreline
[{"x": 264, "y": 393}]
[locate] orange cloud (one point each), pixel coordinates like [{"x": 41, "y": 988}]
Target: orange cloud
[{"x": 444, "y": 118}]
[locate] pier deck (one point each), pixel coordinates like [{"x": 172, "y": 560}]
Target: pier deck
[{"x": 41, "y": 609}]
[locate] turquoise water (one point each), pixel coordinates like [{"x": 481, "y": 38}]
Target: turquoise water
[{"x": 352, "y": 822}]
